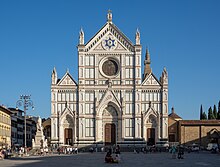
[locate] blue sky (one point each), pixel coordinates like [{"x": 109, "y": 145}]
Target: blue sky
[{"x": 183, "y": 36}]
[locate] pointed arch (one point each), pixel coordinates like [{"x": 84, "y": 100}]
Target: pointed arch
[
  {"x": 149, "y": 112},
  {"x": 107, "y": 104}
]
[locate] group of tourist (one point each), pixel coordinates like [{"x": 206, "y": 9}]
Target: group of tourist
[
  {"x": 44, "y": 151},
  {"x": 4, "y": 153},
  {"x": 110, "y": 158},
  {"x": 67, "y": 150},
  {"x": 179, "y": 150}
]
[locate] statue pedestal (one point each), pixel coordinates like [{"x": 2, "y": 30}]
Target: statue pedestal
[{"x": 39, "y": 141}]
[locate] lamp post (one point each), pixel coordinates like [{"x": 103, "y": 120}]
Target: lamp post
[{"x": 25, "y": 102}]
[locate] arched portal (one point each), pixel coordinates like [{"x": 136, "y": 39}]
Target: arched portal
[
  {"x": 151, "y": 130},
  {"x": 108, "y": 124},
  {"x": 67, "y": 130},
  {"x": 110, "y": 121}
]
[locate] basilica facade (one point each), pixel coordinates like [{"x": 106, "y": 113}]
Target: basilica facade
[{"x": 112, "y": 102}]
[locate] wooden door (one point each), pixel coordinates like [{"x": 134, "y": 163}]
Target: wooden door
[
  {"x": 110, "y": 134},
  {"x": 150, "y": 136},
  {"x": 68, "y": 136},
  {"x": 172, "y": 138}
]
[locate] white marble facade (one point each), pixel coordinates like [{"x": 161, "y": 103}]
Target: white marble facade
[{"x": 112, "y": 103}]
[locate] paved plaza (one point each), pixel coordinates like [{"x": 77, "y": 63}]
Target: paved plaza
[{"x": 127, "y": 160}]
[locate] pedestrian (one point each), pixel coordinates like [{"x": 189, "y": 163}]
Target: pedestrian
[
  {"x": 58, "y": 150},
  {"x": 41, "y": 151},
  {"x": 76, "y": 150},
  {"x": 180, "y": 152},
  {"x": 173, "y": 152}
]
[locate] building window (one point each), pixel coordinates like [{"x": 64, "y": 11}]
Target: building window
[
  {"x": 67, "y": 97},
  {"x": 89, "y": 96},
  {"x": 129, "y": 96},
  {"x": 89, "y": 60},
  {"x": 128, "y": 60},
  {"x": 89, "y": 73},
  {"x": 89, "y": 108},
  {"x": 90, "y": 127},
  {"x": 129, "y": 127},
  {"x": 128, "y": 108},
  {"x": 59, "y": 97},
  {"x": 128, "y": 73}
]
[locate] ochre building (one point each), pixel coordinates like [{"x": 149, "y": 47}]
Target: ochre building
[{"x": 5, "y": 127}]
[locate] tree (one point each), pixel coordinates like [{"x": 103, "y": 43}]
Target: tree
[
  {"x": 210, "y": 114},
  {"x": 201, "y": 112},
  {"x": 204, "y": 116},
  {"x": 215, "y": 112},
  {"x": 218, "y": 114}
]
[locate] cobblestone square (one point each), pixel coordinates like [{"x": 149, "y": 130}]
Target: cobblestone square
[{"x": 127, "y": 160}]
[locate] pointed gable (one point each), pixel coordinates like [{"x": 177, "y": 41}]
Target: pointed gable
[
  {"x": 109, "y": 96},
  {"x": 151, "y": 80},
  {"x": 122, "y": 43},
  {"x": 67, "y": 80}
]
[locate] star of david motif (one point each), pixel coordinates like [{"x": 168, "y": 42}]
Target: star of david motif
[{"x": 109, "y": 43}]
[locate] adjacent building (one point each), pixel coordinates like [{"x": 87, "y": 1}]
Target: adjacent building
[
  {"x": 17, "y": 128},
  {"x": 188, "y": 132},
  {"x": 112, "y": 102},
  {"x": 5, "y": 127}
]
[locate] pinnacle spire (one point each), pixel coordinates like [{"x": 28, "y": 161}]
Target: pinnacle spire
[
  {"x": 81, "y": 37},
  {"x": 137, "y": 37},
  {"x": 109, "y": 16},
  {"x": 54, "y": 76},
  {"x": 54, "y": 70}
]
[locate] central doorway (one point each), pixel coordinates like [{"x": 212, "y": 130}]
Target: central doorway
[
  {"x": 150, "y": 136},
  {"x": 68, "y": 136},
  {"x": 110, "y": 134}
]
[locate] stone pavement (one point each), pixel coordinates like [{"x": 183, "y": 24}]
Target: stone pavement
[{"x": 127, "y": 160}]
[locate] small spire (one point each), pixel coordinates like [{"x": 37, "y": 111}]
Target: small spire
[
  {"x": 172, "y": 110},
  {"x": 54, "y": 76},
  {"x": 137, "y": 37},
  {"x": 147, "y": 57},
  {"x": 147, "y": 69},
  {"x": 54, "y": 70},
  {"x": 81, "y": 37},
  {"x": 165, "y": 70},
  {"x": 67, "y": 70},
  {"x": 109, "y": 16}
]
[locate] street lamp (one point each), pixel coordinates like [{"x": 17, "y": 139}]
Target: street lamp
[{"x": 25, "y": 102}]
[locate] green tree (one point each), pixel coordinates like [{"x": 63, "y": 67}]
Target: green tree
[
  {"x": 204, "y": 115},
  {"x": 210, "y": 114},
  {"x": 218, "y": 114},
  {"x": 201, "y": 112},
  {"x": 215, "y": 112}
]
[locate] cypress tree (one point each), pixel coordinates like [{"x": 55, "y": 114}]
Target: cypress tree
[
  {"x": 210, "y": 114},
  {"x": 204, "y": 115},
  {"x": 214, "y": 112},
  {"x": 218, "y": 114},
  {"x": 201, "y": 113}
]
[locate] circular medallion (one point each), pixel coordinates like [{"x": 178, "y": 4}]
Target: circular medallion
[{"x": 109, "y": 67}]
